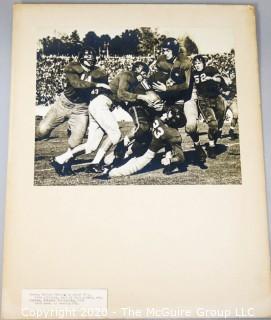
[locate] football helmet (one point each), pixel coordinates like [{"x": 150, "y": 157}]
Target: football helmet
[
  {"x": 141, "y": 68},
  {"x": 171, "y": 44},
  {"x": 199, "y": 58},
  {"x": 87, "y": 57},
  {"x": 175, "y": 116}
]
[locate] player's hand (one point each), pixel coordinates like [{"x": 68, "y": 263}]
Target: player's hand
[
  {"x": 165, "y": 161},
  {"x": 217, "y": 78},
  {"x": 159, "y": 86},
  {"x": 207, "y": 78}
]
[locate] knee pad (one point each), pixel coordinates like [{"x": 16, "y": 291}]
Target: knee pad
[{"x": 191, "y": 127}]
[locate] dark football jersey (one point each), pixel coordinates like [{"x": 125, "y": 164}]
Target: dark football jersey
[
  {"x": 78, "y": 83},
  {"x": 163, "y": 135},
  {"x": 207, "y": 88},
  {"x": 174, "y": 91},
  {"x": 123, "y": 87},
  {"x": 165, "y": 65}
]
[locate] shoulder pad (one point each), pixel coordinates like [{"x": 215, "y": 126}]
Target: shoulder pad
[
  {"x": 183, "y": 62},
  {"x": 98, "y": 75},
  {"x": 127, "y": 75},
  {"x": 73, "y": 67}
]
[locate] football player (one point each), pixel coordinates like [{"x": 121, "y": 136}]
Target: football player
[
  {"x": 101, "y": 119},
  {"x": 81, "y": 78},
  {"x": 175, "y": 59},
  {"x": 128, "y": 90},
  {"x": 231, "y": 102},
  {"x": 164, "y": 134},
  {"x": 139, "y": 110},
  {"x": 209, "y": 82}
]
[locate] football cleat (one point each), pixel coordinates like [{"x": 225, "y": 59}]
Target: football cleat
[
  {"x": 176, "y": 167},
  {"x": 62, "y": 169},
  {"x": 168, "y": 170},
  {"x": 95, "y": 168},
  {"x": 211, "y": 152},
  {"x": 232, "y": 134},
  {"x": 200, "y": 153},
  {"x": 217, "y": 135},
  {"x": 57, "y": 166},
  {"x": 67, "y": 169}
]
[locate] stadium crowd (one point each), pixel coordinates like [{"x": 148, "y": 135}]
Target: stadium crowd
[{"x": 49, "y": 72}]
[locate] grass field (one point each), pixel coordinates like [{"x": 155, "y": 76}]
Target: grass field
[{"x": 225, "y": 169}]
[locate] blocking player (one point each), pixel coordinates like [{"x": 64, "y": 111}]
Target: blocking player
[
  {"x": 164, "y": 134},
  {"x": 208, "y": 82},
  {"x": 101, "y": 119},
  {"x": 133, "y": 92},
  {"x": 72, "y": 105},
  {"x": 128, "y": 90},
  {"x": 175, "y": 59},
  {"x": 138, "y": 109}
]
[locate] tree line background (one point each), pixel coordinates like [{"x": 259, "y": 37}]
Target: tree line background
[{"x": 141, "y": 41}]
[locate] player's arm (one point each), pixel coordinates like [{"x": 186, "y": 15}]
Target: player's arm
[
  {"x": 162, "y": 63},
  {"x": 214, "y": 75},
  {"x": 187, "y": 74},
  {"x": 77, "y": 83},
  {"x": 123, "y": 92}
]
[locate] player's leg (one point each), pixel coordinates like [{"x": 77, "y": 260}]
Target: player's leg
[
  {"x": 191, "y": 127},
  {"x": 139, "y": 136},
  {"x": 174, "y": 156},
  {"x": 78, "y": 122},
  {"x": 208, "y": 114},
  {"x": 100, "y": 110},
  {"x": 220, "y": 112},
  {"x": 142, "y": 132},
  {"x": 234, "y": 109},
  {"x": 54, "y": 117},
  {"x": 133, "y": 165}
]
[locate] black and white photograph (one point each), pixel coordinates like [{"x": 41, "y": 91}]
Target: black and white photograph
[
  {"x": 138, "y": 105},
  {"x": 135, "y": 179}
]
